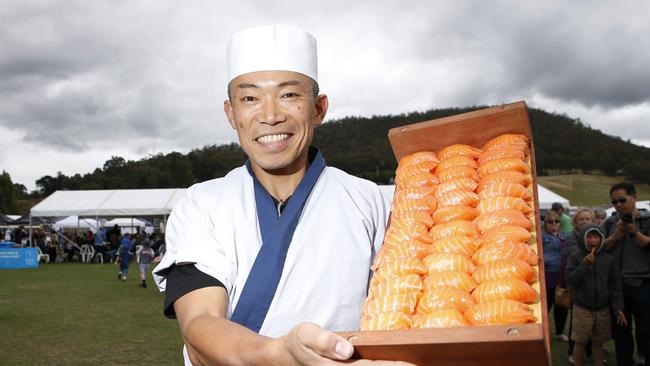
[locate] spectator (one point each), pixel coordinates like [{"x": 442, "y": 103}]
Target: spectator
[
  {"x": 99, "y": 242},
  {"x": 565, "y": 220},
  {"x": 596, "y": 288},
  {"x": 627, "y": 240},
  {"x": 144, "y": 258},
  {"x": 552, "y": 242},
  {"x": 7, "y": 235},
  {"x": 599, "y": 216},
  {"x": 125, "y": 256},
  {"x": 583, "y": 216}
]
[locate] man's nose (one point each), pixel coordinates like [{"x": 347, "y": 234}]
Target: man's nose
[{"x": 271, "y": 112}]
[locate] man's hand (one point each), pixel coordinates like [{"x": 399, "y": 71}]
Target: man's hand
[
  {"x": 590, "y": 258},
  {"x": 309, "y": 344},
  {"x": 620, "y": 319},
  {"x": 620, "y": 229}
]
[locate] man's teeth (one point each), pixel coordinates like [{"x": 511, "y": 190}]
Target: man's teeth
[{"x": 273, "y": 138}]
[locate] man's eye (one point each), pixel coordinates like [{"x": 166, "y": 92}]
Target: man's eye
[
  {"x": 248, "y": 98},
  {"x": 289, "y": 95}
]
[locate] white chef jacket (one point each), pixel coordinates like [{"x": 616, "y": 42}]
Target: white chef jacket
[{"x": 326, "y": 272}]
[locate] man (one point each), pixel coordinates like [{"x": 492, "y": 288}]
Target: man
[
  {"x": 566, "y": 225},
  {"x": 260, "y": 262},
  {"x": 627, "y": 239}
]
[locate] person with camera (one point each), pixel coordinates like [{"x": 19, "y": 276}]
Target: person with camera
[{"x": 627, "y": 240}]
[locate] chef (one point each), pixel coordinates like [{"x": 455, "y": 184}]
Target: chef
[{"x": 262, "y": 265}]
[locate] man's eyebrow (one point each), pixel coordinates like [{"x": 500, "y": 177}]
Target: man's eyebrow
[
  {"x": 289, "y": 83},
  {"x": 247, "y": 85}
]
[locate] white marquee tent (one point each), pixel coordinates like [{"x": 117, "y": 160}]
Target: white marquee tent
[
  {"x": 75, "y": 222},
  {"x": 114, "y": 203}
]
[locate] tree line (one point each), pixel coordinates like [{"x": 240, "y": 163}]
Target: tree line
[{"x": 357, "y": 145}]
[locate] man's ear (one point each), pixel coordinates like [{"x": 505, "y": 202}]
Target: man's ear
[
  {"x": 321, "y": 105},
  {"x": 227, "y": 107}
]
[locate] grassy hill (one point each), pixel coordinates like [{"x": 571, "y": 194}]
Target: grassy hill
[{"x": 588, "y": 190}]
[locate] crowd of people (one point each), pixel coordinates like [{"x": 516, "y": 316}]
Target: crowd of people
[{"x": 605, "y": 264}]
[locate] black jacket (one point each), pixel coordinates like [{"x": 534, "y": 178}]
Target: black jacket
[{"x": 594, "y": 287}]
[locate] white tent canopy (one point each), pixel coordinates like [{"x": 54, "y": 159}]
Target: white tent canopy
[
  {"x": 125, "y": 221},
  {"x": 74, "y": 222},
  {"x": 117, "y": 202},
  {"x": 547, "y": 198}
]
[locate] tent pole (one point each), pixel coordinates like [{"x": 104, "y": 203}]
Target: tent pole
[{"x": 31, "y": 242}]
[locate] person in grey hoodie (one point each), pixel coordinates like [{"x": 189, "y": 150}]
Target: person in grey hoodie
[{"x": 595, "y": 282}]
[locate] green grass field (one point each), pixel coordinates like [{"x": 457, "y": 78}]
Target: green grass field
[
  {"x": 80, "y": 314},
  {"x": 588, "y": 190}
]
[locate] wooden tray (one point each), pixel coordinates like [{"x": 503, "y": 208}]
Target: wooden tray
[{"x": 526, "y": 344}]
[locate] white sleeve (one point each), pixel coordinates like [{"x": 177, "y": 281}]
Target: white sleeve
[
  {"x": 383, "y": 211},
  {"x": 190, "y": 238}
]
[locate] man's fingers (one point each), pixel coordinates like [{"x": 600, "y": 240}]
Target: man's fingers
[{"x": 323, "y": 342}]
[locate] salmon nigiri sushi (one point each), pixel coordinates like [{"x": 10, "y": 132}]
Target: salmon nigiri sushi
[
  {"x": 499, "y": 189},
  {"x": 506, "y": 176},
  {"x": 455, "y": 161},
  {"x": 454, "y": 228},
  {"x": 412, "y": 217},
  {"x": 499, "y": 165},
  {"x": 458, "y": 198},
  {"x": 504, "y": 268},
  {"x": 441, "y": 262},
  {"x": 465, "y": 245},
  {"x": 462, "y": 171},
  {"x": 397, "y": 285},
  {"x": 459, "y": 150},
  {"x": 457, "y": 184},
  {"x": 386, "y": 321},
  {"x": 501, "y": 217},
  {"x": 508, "y": 139},
  {"x": 501, "y": 203},
  {"x": 412, "y": 249},
  {"x": 500, "y": 312},
  {"x": 444, "y": 297},
  {"x": 418, "y": 157},
  {"x": 427, "y": 203},
  {"x": 517, "y": 152},
  {"x": 405, "y": 171},
  {"x": 442, "y": 318},
  {"x": 508, "y": 288},
  {"x": 400, "y": 302},
  {"x": 506, "y": 250},
  {"x": 456, "y": 212},
  {"x": 418, "y": 180},
  {"x": 503, "y": 233},
  {"x": 399, "y": 267},
  {"x": 456, "y": 279},
  {"x": 412, "y": 193}
]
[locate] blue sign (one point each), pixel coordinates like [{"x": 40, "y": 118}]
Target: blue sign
[{"x": 18, "y": 258}]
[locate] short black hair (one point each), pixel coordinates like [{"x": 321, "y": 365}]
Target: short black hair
[{"x": 629, "y": 188}]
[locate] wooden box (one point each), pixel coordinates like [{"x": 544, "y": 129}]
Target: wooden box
[{"x": 526, "y": 344}]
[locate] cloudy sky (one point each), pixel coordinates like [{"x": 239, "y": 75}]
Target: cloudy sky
[{"x": 81, "y": 81}]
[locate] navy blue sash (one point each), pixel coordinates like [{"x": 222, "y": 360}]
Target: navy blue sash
[{"x": 277, "y": 233}]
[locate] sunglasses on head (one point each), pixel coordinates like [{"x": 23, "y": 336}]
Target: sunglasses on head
[
  {"x": 553, "y": 221},
  {"x": 620, "y": 201}
]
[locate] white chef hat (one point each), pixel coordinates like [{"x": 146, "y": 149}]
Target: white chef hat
[{"x": 272, "y": 47}]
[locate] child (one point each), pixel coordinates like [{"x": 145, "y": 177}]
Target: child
[
  {"x": 144, "y": 259},
  {"x": 125, "y": 256},
  {"x": 595, "y": 283}
]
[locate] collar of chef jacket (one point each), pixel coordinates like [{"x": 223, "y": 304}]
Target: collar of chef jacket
[{"x": 277, "y": 233}]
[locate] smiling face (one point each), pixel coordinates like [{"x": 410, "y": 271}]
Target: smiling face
[
  {"x": 582, "y": 218},
  {"x": 275, "y": 113}
]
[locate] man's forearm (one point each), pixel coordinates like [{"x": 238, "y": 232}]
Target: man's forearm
[
  {"x": 217, "y": 341},
  {"x": 643, "y": 240},
  {"x": 610, "y": 242}
]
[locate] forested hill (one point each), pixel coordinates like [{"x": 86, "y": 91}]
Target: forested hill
[{"x": 360, "y": 146}]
